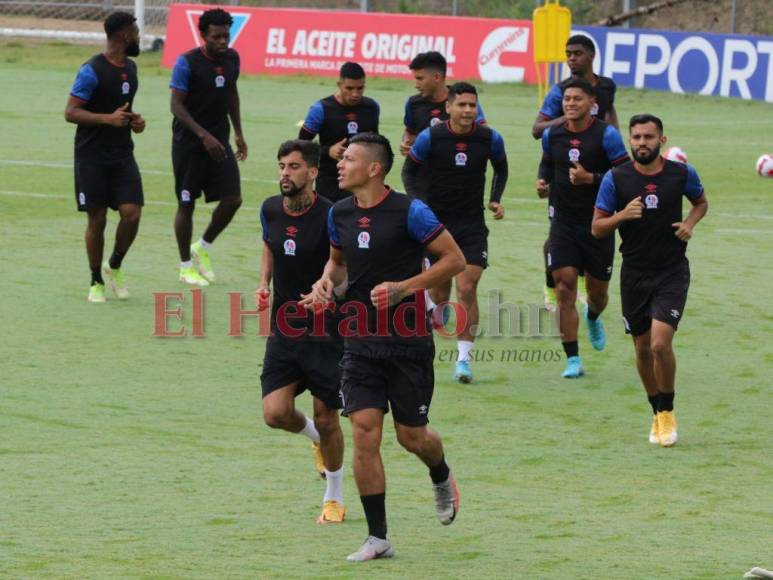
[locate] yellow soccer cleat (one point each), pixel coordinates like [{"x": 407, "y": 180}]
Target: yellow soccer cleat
[
  {"x": 319, "y": 462},
  {"x": 191, "y": 276},
  {"x": 202, "y": 261},
  {"x": 116, "y": 281},
  {"x": 549, "y": 296},
  {"x": 332, "y": 513},
  {"x": 654, "y": 438},
  {"x": 97, "y": 294},
  {"x": 667, "y": 428},
  {"x": 582, "y": 292}
]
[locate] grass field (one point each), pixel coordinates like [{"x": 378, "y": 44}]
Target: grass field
[{"x": 124, "y": 455}]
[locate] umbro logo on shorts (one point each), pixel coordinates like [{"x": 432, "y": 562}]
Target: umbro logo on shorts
[
  {"x": 423, "y": 409},
  {"x": 674, "y": 313}
]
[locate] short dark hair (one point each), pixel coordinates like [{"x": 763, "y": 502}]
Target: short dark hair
[
  {"x": 582, "y": 40},
  {"x": 431, "y": 60},
  {"x": 309, "y": 150},
  {"x": 581, "y": 84},
  {"x": 214, "y": 17},
  {"x": 457, "y": 89},
  {"x": 377, "y": 143},
  {"x": 643, "y": 119},
  {"x": 352, "y": 70},
  {"x": 117, "y": 21}
]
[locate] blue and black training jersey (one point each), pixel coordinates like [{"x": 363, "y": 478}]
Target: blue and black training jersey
[{"x": 605, "y": 88}]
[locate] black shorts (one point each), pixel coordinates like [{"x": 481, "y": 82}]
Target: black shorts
[
  {"x": 472, "y": 239},
  {"x": 196, "y": 172},
  {"x": 404, "y": 384},
  {"x": 313, "y": 364},
  {"x": 574, "y": 246},
  {"x": 101, "y": 184},
  {"x": 659, "y": 295}
]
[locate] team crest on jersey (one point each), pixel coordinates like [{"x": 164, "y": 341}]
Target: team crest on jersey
[
  {"x": 185, "y": 195},
  {"x": 651, "y": 201},
  {"x": 219, "y": 81},
  {"x": 125, "y": 88},
  {"x": 289, "y": 246},
  {"x": 460, "y": 159},
  {"x": 574, "y": 155},
  {"x": 81, "y": 198},
  {"x": 352, "y": 127},
  {"x": 363, "y": 240},
  {"x": 594, "y": 110}
]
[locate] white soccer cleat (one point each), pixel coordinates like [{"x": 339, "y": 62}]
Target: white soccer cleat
[
  {"x": 371, "y": 549},
  {"x": 446, "y": 500}
]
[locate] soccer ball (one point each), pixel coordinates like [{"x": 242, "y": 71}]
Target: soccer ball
[
  {"x": 675, "y": 154},
  {"x": 765, "y": 165}
]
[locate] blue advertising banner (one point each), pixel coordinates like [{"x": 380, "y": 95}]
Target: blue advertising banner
[{"x": 685, "y": 62}]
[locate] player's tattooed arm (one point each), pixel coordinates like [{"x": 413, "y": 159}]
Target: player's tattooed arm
[
  {"x": 234, "y": 112},
  {"x": 700, "y": 207},
  {"x": 215, "y": 149},
  {"x": 450, "y": 262},
  {"x": 263, "y": 293}
]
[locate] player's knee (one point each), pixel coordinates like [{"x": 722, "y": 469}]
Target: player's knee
[
  {"x": 326, "y": 423},
  {"x": 131, "y": 216},
  {"x": 232, "y": 203},
  {"x": 643, "y": 352},
  {"x": 276, "y": 419},
  {"x": 565, "y": 292},
  {"x": 467, "y": 291},
  {"x": 660, "y": 348},
  {"x": 412, "y": 440}
]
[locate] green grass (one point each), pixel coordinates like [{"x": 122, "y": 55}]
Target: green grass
[{"x": 124, "y": 455}]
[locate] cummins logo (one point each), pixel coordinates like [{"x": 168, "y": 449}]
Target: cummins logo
[{"x": 493, "y": 68}]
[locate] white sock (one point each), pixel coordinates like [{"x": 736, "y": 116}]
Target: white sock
[
  {"x": 188, "y": 264},
  {"x": 428, "y": 300},
  {"x": 310, "y": 430},
  {"x": 206, "y": 246},
  {"x": 465, "y": 346},
  {"x": 334, "y": 491}
]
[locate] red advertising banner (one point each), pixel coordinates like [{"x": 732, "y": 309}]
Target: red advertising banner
[{"x": 318, "y": 42}]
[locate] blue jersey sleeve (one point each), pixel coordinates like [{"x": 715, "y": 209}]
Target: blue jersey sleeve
[
  {"x": 552, "y": 106},
  {"x": 181, "y": 75},
  {"x": 497, "y": 147},
  {"x": 481, "y": 116},
  {"x": 614, "y": 146},
  {"x": 606, "y": 199},
  {"x": 546, "y": 145},
  {"x": 85, "y": 84},
  {"x": 263, "y": 224},
  {"x": 332, "y": 232},
  {"x": 420, "y": 149},
  {"x": 423, "y": 225},
  {"x": 693, "y": 189},
  {"x": 408, "y": 116},
  {"x": 314, "y": 118}
]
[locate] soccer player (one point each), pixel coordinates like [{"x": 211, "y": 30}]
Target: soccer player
[
  {"x": 106, "y": 174},
  {"x": 336, "y": 119},
  {"x": 456, "y": 154},
  {"x": 427, "y": 108},
  {"x": 378, "y": 237},
  {"x": 644, "y": 200},
  {"x": 295, "y": 251},
  {"x": 204, "y": 97},
  {"x": 575, "y": 157},
  {"x": 580, "y": 53}
]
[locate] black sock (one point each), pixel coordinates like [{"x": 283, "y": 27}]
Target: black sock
[
  {"x": 654, "y": 400},
  {"x": 440, "y": 472},
  {"x": 549, "y": 280},
  {"x": 592, "y": 315},
  {"x": 115, "y": 260},
  {"x": 571, "y": 348},
  {"x": 96, "y": 276},
  {"x": 666, "y": 401},
  {"x": 375, "y": 514}
]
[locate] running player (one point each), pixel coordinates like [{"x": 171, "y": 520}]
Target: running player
[
  {"x": 575, "y": 157},
  {"x": 427, "y": 108},
  {"x": 106, "y": 174},
  {"x": 295, "y": 250},
  {"x": 456, "y": 154},
  {"x": 336, "y": 119},
  {"x": 644, "y": 200},
  {"x": 378, "y": 238},
  {"x": 580, "y": 53},
  {"x": 204, "y": 97}
]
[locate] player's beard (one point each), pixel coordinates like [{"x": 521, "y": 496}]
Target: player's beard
[
  {"x": 133, "y": 49},
  {"x": 646, "y": 159},
  {"x": 295, "y": 190}
]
